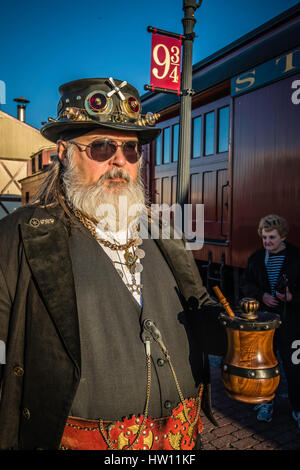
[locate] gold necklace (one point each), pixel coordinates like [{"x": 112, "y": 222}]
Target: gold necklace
[
  {"x": 130, "y": 258},
  {"x": 113, "y": 246}
]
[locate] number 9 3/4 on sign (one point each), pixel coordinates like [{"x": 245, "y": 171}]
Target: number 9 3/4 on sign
[{"x": 165, "y": 62}]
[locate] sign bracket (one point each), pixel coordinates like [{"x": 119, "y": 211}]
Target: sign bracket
[
  {"x": 189, "y": 37},
  {"x": 162, "y": 90},
  {"x": 189, "y": 92}
]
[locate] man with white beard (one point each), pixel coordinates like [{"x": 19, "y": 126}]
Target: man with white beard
[
  {"x": 109, "y": 193},
  {"x": 106, "y": 333}
]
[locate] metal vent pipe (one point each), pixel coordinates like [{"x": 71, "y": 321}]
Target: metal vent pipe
[{"x": 21, "y": 108}]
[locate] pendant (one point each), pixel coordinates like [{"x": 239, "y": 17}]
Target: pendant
[
  {"x": 140, "y": 253},
  {"x": 139, "y": 268},
  {"x": 138, "y": 241},
  {"x": 130, "y": 259}
]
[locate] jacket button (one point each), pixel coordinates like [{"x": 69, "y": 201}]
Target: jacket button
[
  {"x": 160, "y": 362},
  {"x": 18, "y": 371},
  {"x": 26, "y": 413},
  {"x": 167, "y": 404}
]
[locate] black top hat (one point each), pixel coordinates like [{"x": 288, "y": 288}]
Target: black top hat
[{"x": 93, "y": 103}]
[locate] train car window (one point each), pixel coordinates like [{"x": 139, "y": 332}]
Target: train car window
[
  {"x": 167, "y": 146},
  {"x": 223, "y": 129},
  {"x": 158, "y": 150},
  {"x": 197, "y": 126},
  {"x": 209, "y": 133},
  {"x": 175, "y": 147},
  {"x": 33, "y": 167}
]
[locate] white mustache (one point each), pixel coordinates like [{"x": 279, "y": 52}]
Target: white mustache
[{"x": 115, "y": 173}]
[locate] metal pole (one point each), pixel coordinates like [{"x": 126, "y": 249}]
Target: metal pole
[{"x": 183, "y": 171}]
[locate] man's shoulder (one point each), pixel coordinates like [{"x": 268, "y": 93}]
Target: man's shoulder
[
  {"x": 9, "y": 233},
  {"x": 24, "y": 214},
  {"x": 9, "y": 224}
]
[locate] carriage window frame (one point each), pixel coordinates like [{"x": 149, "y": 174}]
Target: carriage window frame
[
  {"x": 198, "y": 118},
  {"x": 175, "y": 144},
  {"x": 220, "y": 109},
  {"x": 166, "y": 145},
  {"x": 209, "y": 139},
  {"x": 158, "y": 150}
]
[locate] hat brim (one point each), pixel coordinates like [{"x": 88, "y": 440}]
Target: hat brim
[{"x": 54, "y": 131}]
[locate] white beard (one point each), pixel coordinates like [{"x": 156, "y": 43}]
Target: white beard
[{"x": 114, "y": 205}]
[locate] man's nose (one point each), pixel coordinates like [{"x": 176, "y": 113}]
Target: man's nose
[{"x": 118, "y": 159}]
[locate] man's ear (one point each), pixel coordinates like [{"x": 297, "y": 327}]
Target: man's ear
[{"x": 62, "y": 151}]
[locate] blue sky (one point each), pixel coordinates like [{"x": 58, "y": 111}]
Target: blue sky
[{"x": 44, "y": 44}]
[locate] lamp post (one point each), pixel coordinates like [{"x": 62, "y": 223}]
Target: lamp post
[{"x": 183, "y": 171}]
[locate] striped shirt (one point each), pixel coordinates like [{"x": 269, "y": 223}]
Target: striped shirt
[{"x": 274, "y": 264}]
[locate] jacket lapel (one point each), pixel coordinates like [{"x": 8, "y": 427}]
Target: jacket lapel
[{"x": 45, "y": 240}]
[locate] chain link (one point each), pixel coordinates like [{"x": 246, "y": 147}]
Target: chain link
[{"x": 90, "y": 226}]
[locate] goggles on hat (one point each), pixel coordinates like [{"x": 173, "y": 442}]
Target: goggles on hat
[{"x": 101, "y": 150}]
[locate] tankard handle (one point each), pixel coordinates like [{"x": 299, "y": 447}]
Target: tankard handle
[{"x": 223, "y": 301}]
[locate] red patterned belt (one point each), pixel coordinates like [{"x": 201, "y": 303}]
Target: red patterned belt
[{"x": 175, "y": 432}]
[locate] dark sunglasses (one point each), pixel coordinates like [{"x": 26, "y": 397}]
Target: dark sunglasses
[{"x": 101, "y": 150}]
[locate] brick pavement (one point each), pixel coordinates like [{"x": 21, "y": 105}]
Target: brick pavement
[{"x": 238, "y": 427}]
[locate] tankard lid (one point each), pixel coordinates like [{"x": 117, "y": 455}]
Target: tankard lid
[{"x": 264, "y": 321}]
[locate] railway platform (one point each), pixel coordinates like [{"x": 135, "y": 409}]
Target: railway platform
[{"x": 238, "y": 427}]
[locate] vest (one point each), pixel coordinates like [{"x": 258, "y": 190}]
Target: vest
[{"x": 114, "y": 374}]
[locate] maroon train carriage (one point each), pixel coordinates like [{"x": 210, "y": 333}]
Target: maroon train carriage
[{"x": 245, "y": 152}]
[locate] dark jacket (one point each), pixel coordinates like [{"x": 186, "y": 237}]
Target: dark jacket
[
  {"x": 255, "y": 279},
  {"x": 39, "y": 324}
]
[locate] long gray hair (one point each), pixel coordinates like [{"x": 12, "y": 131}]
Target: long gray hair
[{"x": 51, "y": 189}]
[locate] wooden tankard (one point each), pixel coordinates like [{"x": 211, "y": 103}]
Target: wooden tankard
[{"x": 250, "y": 370}]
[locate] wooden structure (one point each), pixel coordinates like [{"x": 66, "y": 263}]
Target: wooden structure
[
  {"x": 18, "y": 141},
  {"x": 37, "y": 167},
  {"x": 245, "y": 138}
]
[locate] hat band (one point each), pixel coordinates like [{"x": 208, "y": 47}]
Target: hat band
[{"x": 79, "y": 114}]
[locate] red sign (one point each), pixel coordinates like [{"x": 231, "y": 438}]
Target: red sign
[{"x": 165, "y": 62}]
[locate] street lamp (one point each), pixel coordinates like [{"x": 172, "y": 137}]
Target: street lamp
[{"x": 183, "y": 171}]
